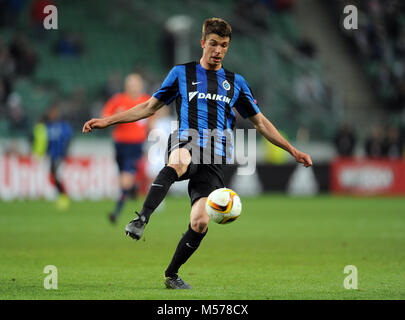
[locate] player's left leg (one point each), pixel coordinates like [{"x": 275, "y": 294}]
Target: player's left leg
[
  {"x": 126, "y": 182},
  {"x": 203, "y": 181},
  {"x": 188, "y": 244},
  {"x": 179, "y": 162}
]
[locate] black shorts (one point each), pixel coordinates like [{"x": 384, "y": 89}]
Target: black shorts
[
  {"x": 203, "y": 178},
  {"x": 127, "y": 156}
]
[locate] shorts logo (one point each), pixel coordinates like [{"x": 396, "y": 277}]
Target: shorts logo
[{"x": 226, "y": 85}]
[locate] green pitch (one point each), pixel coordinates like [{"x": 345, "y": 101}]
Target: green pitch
[{"x": 280, "y": 248}]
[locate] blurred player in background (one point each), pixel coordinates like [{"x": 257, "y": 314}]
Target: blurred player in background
[
  {"x": 128, "y": 137},
  {"x": 39, "y": 138},
  {"x": 58, "y": 134}
]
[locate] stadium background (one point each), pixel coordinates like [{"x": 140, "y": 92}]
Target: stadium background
[{"x": 310, "y": 76}]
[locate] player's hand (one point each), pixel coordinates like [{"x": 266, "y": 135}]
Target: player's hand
[
  {"x": 303, "y": 158},
  {"x": 94, "y": 124}
]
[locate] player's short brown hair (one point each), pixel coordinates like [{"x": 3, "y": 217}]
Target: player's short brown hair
[{"x": 218, "y": 26}]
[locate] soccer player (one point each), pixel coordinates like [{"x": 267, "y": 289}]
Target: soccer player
[
  {"x": 128, "y": 137},
  {"x": 59, "y": 134},
  {"x": 206, "y": 95}
]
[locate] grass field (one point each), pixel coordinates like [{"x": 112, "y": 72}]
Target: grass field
[{"x": 280, "y": 248}]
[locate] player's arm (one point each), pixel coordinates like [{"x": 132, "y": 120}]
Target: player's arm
[
  {"x": 270, "y": 132},
  {"x": 138, "y": 112}
]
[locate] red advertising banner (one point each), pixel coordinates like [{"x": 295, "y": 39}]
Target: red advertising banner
[
  {"x": 368, "y": 177},
  {"x": 83, "y": 177}
]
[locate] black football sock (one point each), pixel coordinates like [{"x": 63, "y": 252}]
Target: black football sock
[
  {"x": 121, "y": 201},
  {"x": 158, "y": 190},
  {"x": 59, "y": 186},
  {"x": 187, "y": 246},
  {"x": 133, "y": 192}
]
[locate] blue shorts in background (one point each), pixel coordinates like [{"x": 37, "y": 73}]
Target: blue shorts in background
[{"x": 127, "y": 156}]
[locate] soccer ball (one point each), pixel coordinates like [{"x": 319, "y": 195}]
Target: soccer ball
[{"x": 223, "y": 206}]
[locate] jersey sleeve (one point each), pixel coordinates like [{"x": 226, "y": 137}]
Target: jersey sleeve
[
  {"x": 169, "y": 89},
  {"x": 246, "y": 104}
]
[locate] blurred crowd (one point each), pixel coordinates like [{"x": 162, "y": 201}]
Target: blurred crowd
[
  {"x": 381, "y": 142},
  {"x": 17, "y": 60},
  {"x": 380, "y": 40},
  {"x": 257, "y": 11}
]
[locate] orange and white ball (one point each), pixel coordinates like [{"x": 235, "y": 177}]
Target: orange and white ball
[{"x": 223, "y": 206}]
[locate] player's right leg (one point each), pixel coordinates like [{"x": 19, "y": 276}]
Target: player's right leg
[
  {"x": 203, "y": 181},
  {"x": 188, "y": 244},
  {"x": 179, "y": 160}
]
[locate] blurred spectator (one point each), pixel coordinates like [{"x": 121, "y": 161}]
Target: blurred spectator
[
  {"x": 393, "y": 146},
  {"x": 7, "y": 65},
  {"x": 68, "y": 45},
  {"x": 16, "y": 115},
  {"x": 23, "y": 55},
  {"x": 307, "y": 48},
  {"x": 310, "y": 89},
  {"x": 380, "y": 40},
  {"x": 374, "y": 143},
  {"x": 345, "y": 141},
  {"x": 10, "y": 11},
  {"x": 5, "y": 90},
  {"x": 253, "y": 12}
]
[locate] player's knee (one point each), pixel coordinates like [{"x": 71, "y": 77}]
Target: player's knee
[
  {"x": 200, "y": 225},
  {"x": 126, "y": 180},
  {"x": 179, "y": 160},
  {"x": 180, "y": 168}
]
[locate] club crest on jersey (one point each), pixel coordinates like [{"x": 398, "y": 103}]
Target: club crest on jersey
[
  {"x": 208, "y": 96},
  {"x": 226, "y": 85}
]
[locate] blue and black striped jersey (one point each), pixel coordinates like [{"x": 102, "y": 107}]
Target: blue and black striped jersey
[
  {"x": 204, "y": 102},
  {"x": 59, "y": 134}
]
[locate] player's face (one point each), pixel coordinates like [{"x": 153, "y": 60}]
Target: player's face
[
  {"x": 214, "y": 50},
  {"x": 134, "y": 84},
  {"x": 53, "y": 114}
]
